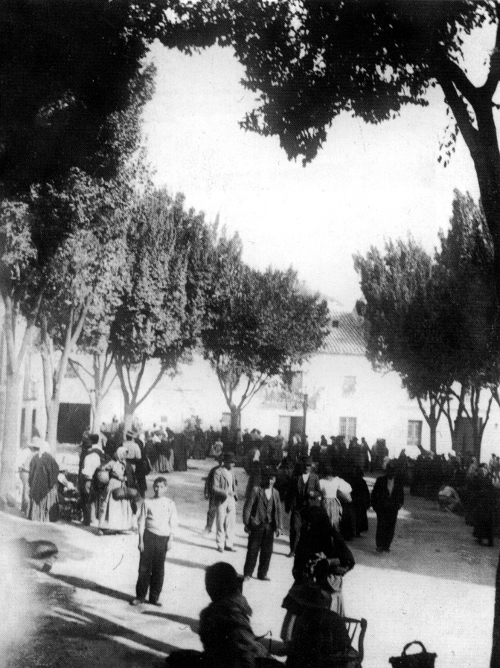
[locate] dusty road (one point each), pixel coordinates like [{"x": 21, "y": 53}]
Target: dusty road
[{"x": 436, "y": 586}]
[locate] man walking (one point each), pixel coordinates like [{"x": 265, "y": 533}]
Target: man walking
[
  {"x": 387, "y": 499},
  {"x": 157, "y": 525},
  {"x": 263, "y": 520},
  {"x": 224, "y": 490}
]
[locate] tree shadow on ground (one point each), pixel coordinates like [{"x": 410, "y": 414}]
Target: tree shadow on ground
[
  {"x": 80, "y": 583},
  {"x": 65, "y": 634},
  {"x": 193, "y": 624}
]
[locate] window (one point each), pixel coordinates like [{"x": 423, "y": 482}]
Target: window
[
  {"x": 414, "y": 432},
  {"x": 349, "y": 386},
  {"x": 347, "y": 428}
]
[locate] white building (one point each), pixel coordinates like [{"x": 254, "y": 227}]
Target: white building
[{"x": 344, "y": 395}]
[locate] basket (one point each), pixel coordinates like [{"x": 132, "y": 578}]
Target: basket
[
  {"x": 124, "y": 493},
  {"x": 102, "y": 476},
  {"x": 423, "y": 659}
]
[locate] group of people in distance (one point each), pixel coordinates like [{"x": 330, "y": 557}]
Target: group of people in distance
[{"x": 460, "y": 484}]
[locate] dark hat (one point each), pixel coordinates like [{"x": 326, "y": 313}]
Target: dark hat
[
  {"x": 269, "y": 472},
  {"x": 230, "y": 457},
  {"x": 306, "y": 460}
]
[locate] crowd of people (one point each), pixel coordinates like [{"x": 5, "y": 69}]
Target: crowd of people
[
  {"x": 460, "y": 484},
  {"x": 322, "y": 489}
]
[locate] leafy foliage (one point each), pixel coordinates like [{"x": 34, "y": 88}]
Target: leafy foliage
[
  {"x": 73, "y": 82},
  {"x": 311, "y": 60},
  {"x": 162, "y": 308},
  {"x": 432, "y": 320},
  {"x": 261, "y": 325}
]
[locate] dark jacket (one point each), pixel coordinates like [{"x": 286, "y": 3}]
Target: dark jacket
[
  {"x": 227, "y": 636},
  {"x": 382, "y": 500},
  {"x": 255, "y": 513},
  {"x": 299, "y": 496},
  {"x": 42, "y": 476}
]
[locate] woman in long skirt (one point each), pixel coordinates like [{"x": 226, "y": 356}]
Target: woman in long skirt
[
  {"x": 116, "y": 515},
  {"x": 42, "y": 481},
  {"x": 165, "y": 463},
  {"x": 333, "y": 487}
]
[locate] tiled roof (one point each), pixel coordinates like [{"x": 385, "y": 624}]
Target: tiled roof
[{"x": 347, "y": 338}]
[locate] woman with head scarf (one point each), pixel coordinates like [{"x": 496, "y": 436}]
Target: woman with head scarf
[
  {"x": 43, "y": 483},
  {"x": 116, "y": 514},
  {"x": 322, "y": 550}
]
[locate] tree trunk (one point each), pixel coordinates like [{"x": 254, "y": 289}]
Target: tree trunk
[
  {"x": 433, "y": 429},
  {"x": 128, "y": 418},
  {"x": 235, "y": 423},
  {"x": 13, "y": 386},
  {"x": 10, "y": 435},
  {"x": 52, "y": 410},
  {"x": 96, "y": 415},
  {"x": 495, "y": 652},
  {"x": 2, "y": 383}
]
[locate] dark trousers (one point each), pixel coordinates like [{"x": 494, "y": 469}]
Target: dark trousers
[
  {"x": 261, "y": 540},
  {"x": 152, "y": 567},
  {"x": 295, "y": 527},
  {"x": 386, "y": 525}
]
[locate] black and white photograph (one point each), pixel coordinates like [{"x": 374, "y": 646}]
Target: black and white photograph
[{"x": 250, "y": 333}]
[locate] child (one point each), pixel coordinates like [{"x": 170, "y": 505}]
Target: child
[{"x": 157, "y": 524}]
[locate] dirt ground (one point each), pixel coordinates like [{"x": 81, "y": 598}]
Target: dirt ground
[{"x": 436, "y": 586}]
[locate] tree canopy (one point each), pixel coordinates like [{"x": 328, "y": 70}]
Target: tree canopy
[
  {"x": 310, "y": 60},
  {"x": 261, "y": 324},
  {"x": 431, "y": 319},
  {"x": 72, "y": 81},
  {"x": 162, "y": 307}
]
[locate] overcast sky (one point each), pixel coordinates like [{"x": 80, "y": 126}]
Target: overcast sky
[{"x": 368, "y": 184}]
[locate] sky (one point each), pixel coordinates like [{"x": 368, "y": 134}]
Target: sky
[{"x": 368, "y": 184}]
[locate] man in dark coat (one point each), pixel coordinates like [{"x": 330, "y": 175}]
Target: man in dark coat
[
  {"x": 304, "y": 491},
  {"x": 387, "y": 499},
  {"x": 263, "y": 520}
]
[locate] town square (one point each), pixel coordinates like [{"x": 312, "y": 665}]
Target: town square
[{"x": 250, "y": 333}]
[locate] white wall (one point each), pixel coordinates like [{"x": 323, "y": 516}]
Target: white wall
[{"x": 378, "y": 402}]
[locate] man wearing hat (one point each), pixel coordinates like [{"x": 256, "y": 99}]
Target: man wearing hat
[
  {"x": 263, "y": 519},
  {"x": 224, "y": 492},
  {"x": 304, "y": 491}
]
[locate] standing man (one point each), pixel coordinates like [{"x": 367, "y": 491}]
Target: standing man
[
  {"x": 94, "y": 458},
  {"x": 224, "y": 490},
  {"x": 209, "y": 495},
  {"x": 387, "y": 498},
  {"x": 263, "y": 519},
  {"x": 304, "y": 491},
  {"x": 157, "y": 525}
]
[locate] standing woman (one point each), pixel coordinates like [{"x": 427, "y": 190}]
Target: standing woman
[
  {"x": 116, "y": 514},
  {"x": 320, "y": 542},
  {"x": 42, "y": 482},
  {"x": 333, "y": 489}
]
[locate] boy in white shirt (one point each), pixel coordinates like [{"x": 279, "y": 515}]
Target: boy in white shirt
[{"x": 157, "y": 525}]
